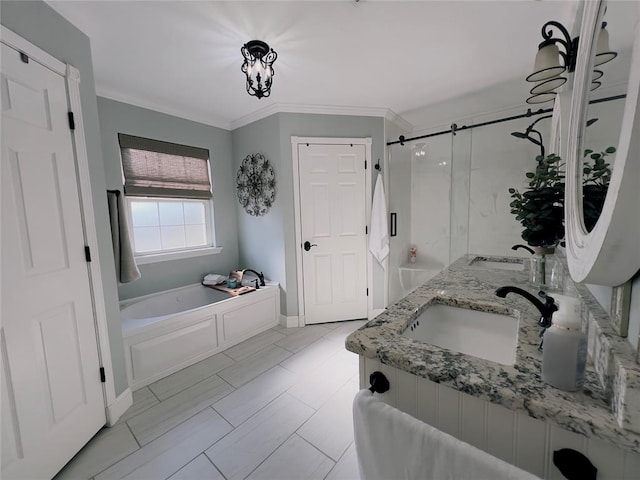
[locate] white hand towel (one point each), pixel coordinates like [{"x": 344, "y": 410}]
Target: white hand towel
[
  {"x": 379, "y": 235},
  {"x": 391, "y": 444}
]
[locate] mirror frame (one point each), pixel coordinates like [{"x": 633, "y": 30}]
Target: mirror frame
[{"x": 610, "y": 253}]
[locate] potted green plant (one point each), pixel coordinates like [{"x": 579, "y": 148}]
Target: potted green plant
[
  {"x": 597, "y": 175},
  {"x": 540, "y": 208}
]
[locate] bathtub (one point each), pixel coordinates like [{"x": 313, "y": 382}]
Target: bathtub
[{"x": 168, "y": 331}]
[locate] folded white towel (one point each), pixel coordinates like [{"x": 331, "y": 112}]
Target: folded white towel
[
  {"x": 214, "y": 279},
  {"x": 391, "y": 444}
]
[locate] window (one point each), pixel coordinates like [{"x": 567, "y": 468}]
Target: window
[{"x": 169, "y": 197}]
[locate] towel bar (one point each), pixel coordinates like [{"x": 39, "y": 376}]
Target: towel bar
[{"x": 379, "y": 383}]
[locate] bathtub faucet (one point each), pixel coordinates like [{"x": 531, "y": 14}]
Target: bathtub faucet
[
  {"x": 259, "y": 275},
  {"x": 546, "y": 309}
]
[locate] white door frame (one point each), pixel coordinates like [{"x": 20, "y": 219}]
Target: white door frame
[
  {"x": 114, "y": 407},
  {"x": 295, "y": 141}
]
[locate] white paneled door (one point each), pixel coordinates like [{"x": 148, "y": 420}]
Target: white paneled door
[
  {"x": 52, "y": 399},
  {"x": 333, "y": 227}
]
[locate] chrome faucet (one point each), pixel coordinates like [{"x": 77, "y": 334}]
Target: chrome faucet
[
  {"x": 546, "y": 309},
  {"x": 259, "y": 275}
]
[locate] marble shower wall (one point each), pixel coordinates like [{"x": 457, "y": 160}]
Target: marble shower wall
[{"x": 459, "y": 199}]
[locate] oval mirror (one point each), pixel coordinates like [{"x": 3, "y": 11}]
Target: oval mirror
[{"x": 603, "y": 221}]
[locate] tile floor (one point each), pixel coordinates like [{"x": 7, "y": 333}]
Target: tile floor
[{"x": 277, "y": 406}]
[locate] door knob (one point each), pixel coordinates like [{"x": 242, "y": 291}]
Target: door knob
[{"x": 308, "y": 245}]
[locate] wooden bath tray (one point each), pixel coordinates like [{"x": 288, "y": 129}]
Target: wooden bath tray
[{"x": 232, "y": 291}]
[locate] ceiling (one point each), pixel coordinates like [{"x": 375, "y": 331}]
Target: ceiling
[{"x": 183, "y": 57}]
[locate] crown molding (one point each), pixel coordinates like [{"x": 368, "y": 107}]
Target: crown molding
[
  {"x": 184, "y": 114},
  {"x": 261, "y": 113},
  {"x": 311, "y": 109},
  {"x": 399, "y": 121}
]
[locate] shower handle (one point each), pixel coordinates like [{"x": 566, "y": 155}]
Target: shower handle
[{"x": 307, "y": 245}]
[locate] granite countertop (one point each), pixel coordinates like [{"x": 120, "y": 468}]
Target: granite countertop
[{"x": 517, "y": 387}]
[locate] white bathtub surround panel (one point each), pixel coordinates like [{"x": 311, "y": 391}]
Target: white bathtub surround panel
[
  {"x": 331, "y": 427},
  {"x": 295, "y": 458},
  {"x": 158, "y": 346},
  {"x": 257, "y": 313},
  {"x": 159, "y": 355},
  {"x": 198, "y": 469},
  {"x": 238, "y": 406},
  {"x": 170, "y": 452},
  {"x": 242, "y": 372},
  {"x": 107, "y": 447},
  {"x": 240, "y": 452},
  {"x": 161, "y": 418},
  {"x": 587, "y": 412},
  {"x": 393, "y": 444}
]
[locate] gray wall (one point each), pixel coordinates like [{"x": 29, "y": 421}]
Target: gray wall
[
  {"x": 268, "y": 242},
  {"x": 39, "y": 24},
  {"x": 117, "y": 117},
  {"x": 262, "y": 239}
]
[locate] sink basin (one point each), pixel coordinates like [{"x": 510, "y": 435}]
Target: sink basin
[
  {"x": 485, "y": 335},
  {"x": 515, "y": 264}
]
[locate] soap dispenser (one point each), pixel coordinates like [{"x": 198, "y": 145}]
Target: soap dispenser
[{"x": 564, "y": 351}]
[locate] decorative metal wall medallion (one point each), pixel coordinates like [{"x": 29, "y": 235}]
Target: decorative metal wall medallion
[{"x": 256, "y": 182}]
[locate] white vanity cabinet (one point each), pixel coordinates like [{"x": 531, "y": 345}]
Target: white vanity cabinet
[{"x": 512, "y": 436}]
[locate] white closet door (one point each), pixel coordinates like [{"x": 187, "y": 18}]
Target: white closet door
[
  {"x": 333, "y": 221},
  {"x": 52, "y": 399}
]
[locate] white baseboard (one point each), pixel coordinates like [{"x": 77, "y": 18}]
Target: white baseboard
[
  {"x": 375, "y": 312},
  {"x": 289, "y": 322},
  {"x": 119, "y": 406}
]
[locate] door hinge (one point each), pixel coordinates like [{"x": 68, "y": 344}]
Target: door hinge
[
  {"x": 72, "y": 121},
  {"x": 365, "y": 164},
  {"x": 24, "y": 57},
  {"x": 87, "y": 253},
  {"x": 366, "y": 230},
  {"x": 103, "y": 377},
  {"x": 367, "y": 292}
]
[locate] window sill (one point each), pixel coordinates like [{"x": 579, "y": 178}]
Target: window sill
[{"x": 165, "y": 257}]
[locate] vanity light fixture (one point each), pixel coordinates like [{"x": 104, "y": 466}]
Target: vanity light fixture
[
  {"x": 258, "y": 67},
  {"x": 603, "y": 53},
  {"x": 557, "y": 55}
]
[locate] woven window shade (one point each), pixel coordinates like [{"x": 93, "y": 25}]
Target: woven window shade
[{"x": 160, "y": 169}]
